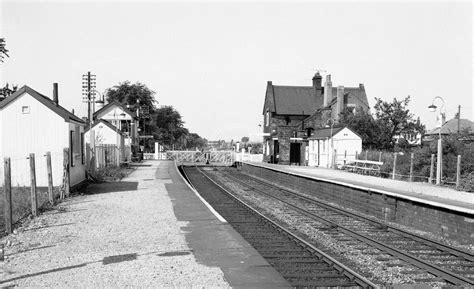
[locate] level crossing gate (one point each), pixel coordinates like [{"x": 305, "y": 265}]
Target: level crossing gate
[{"x": 214, "y": 157}]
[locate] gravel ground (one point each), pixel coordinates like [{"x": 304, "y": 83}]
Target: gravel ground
[
  {"x": 415, "y": 188},
  {"x": 125, "y": 234}
]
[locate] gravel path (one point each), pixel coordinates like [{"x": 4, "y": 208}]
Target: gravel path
[{"x": 124, "y": 234}]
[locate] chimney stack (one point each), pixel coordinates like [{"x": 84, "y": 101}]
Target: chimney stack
[
  {"x": 317, "y": 81},
  {"x": 340, "y": 101},
  {"x": 55, "y": 94},
  {"x": 327, "y": 91}
]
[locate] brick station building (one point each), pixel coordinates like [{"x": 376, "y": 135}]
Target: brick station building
[{"x": 291, "y": 114}]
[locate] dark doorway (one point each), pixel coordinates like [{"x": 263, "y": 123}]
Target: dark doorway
[
  {"x": 276, "y": 151},
  {"x": 295, "y": 153}
]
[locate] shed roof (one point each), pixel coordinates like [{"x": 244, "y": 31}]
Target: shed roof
[
  {"x": 295, "y": 100},
  {"x": 59, "y": 110},
  {"x": 109, "y": 106},
  {"x": 325, "y": 132},
  {"x": 108, "y": 124}
]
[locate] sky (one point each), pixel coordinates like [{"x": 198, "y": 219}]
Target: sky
[{"x": 211, "y": 60}]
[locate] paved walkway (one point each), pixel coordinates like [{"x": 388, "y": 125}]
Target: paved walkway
[
  {"x": 149, "y": 230},
  {"x": 420, "y": 192}
]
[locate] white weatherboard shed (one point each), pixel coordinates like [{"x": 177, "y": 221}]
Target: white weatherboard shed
[
  {"x": 108, "y": 134},
  {"x": 33, "y": 123},
  {"x": 105, "y": 133},
  {"x": 323, "y": 142}
]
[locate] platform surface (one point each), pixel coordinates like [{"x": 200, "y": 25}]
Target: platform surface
[
  {"x": 443, "y": 197},
  {"x": 148, "y": 230}
]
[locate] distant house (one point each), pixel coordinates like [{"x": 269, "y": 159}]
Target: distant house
[
  {"x": 323, "y": 143},
  {"x": 292, "y": 113},
  {"x": 450, "y": 127},
  {"x": 33, "y": 123}
]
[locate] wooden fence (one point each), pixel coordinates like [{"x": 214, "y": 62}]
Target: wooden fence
[{"x": 19, "y": 201}]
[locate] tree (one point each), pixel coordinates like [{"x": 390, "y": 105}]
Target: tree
[
  {"x": 393, "y": 118},
  {"x": 128, "y": 94},
  {"x": 3, "y": 49},
  {"x": 362, "y": 123}
]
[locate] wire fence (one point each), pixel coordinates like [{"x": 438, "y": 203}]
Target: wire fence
[
  {"x": 419, "y": 165},
  {"x": 30, "y": 181}
]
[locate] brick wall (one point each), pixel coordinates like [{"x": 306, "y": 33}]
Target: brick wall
[{"x": 450, "y": 224}]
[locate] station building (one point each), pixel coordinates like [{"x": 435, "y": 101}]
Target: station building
[{"x": 292, "y": 114}]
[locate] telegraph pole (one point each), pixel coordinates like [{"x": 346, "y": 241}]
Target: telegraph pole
[
  {"x": 88, "y": 87},
  {"x": 459, "y": 118}
]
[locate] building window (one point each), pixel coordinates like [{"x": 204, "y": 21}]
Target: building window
[
  {"x": 267, "y": 118},
  {"x": 25, "y": 109}
]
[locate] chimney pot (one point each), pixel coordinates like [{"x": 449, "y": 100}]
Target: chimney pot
[
  {"x": 55, "y": 94},
  {"x": 317, "y": 81}
]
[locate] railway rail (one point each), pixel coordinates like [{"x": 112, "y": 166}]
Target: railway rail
[
  {"x": 448, "y": 264},
  {"x": 299, "y": 262}
]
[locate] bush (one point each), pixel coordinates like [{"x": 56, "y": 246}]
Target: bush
[
  {"x": 110, "y": 173},
  {"x": 467, "y": 182}
]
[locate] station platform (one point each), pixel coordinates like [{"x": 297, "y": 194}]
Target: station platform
[
  {"x": 436, "y": 196},
  {"x": 148, "y": 230}
]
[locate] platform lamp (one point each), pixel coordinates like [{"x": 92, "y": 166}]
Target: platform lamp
[{"x": 439, "y": 163}]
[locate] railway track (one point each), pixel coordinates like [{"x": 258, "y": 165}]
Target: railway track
[
  {"x": 444, "y": 263},
  {"x": 299, "y": 262}
]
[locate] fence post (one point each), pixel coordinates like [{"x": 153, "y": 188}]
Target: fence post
[
  {"x": 356, "y": 157},
  {"x": 50, "y": 178},
  {"x": 7, "y": 195},
  {"x": 34, "y": 199},
  {"x": 458, "y": 172},
  {"x": 432, "y": 169},
  {"x": 411, "y": 167},
  {"x": 366, "y": 153},
  {"x": 66, "y": 180},
  {"x": 380, "y": 156},
  {"x": 394, "y": 165},
  {"x": 334, "y": 164}
]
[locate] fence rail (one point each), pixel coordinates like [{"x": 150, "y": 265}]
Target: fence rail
[{"x": 418, "y": 166}]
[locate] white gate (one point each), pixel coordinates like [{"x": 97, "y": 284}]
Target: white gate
[{"x": 222, "y": 157}]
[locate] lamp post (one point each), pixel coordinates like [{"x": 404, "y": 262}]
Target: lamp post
[
  {"x": 332, "y": 142},
  {"x": 439, "y": 163}
]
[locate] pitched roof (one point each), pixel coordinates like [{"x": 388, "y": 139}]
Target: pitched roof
[
  {"x": 61, "y": 111},
  {"x": 294, "y": 100},
  {"x": 110, "y": 105},
  {"x": 108, "y": 124},
  {"x": 325, "y": 133},
  {"x": 356, "y": 95},
  {"x": 451, "y": 126}
]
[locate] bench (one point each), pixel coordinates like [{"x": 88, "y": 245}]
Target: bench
[{"x": 363, "y": 166}]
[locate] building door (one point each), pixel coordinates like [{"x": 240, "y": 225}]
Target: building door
[
  {"x": 276, "y": 151},
  {"x": 295, "y": 153}
]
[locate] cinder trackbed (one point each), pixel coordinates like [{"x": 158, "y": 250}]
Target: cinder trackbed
[{"x": 147, "y": 230}]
